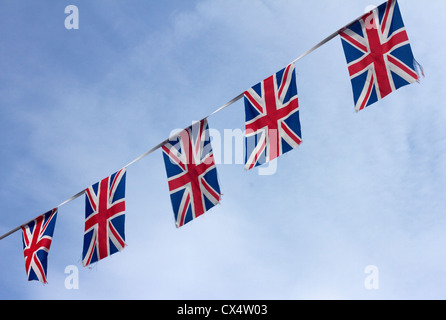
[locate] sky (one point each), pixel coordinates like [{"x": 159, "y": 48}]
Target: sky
[{"x": 363, "y": 189}]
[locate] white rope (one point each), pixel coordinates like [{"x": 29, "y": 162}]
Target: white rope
[{"x": 320, "y": 44}]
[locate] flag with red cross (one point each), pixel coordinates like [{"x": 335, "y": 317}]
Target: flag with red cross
[
  {"x": 378, "y": 54},
  {"x": 272, "y": 118},
  {"x": 191, "y": 173},
  {"x": 37, "y": 237},
  {"x": 104, "y": 218}
]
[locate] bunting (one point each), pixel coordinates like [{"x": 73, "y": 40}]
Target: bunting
[
  {"x": 380, "y": 61},
  {"x": 104, "y": 218},
  {"x": 191, "y": 173},
  {"x": 378, "y": 53},
  {"x": 37, "y": 237},
  {"x": 272, "y": 118}
]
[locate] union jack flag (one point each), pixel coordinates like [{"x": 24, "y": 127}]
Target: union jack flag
[
  {"x": 378, "y": 53},
  {"x": 272, "y": 118},
  {"x": 37, "y": 237},
  {"x": 191, "y": 173},
  {"x": 104, "y": 218}
]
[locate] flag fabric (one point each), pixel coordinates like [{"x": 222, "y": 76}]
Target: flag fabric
[
  {"x": 272, "y": 118},
  {"x": 37, "y": 237},
  {"x": 378, "y": 54},
  {"x": 104, "y": 218},
  {"x": 191, "y": 173}
]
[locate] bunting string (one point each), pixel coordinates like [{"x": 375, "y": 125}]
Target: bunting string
[{"x": 232, "y": 101}]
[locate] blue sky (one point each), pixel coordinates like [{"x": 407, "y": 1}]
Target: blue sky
[{"x": 363, "y": 189}]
